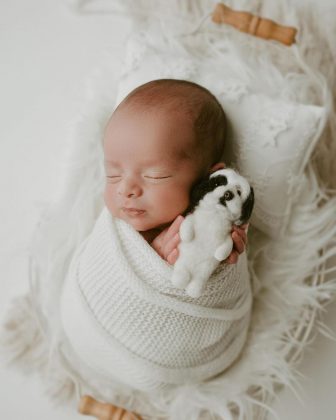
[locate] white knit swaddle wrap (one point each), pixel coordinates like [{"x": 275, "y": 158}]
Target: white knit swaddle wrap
[{"x": 125, "y": 320}]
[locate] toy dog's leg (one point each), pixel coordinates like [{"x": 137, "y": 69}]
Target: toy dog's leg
[
  {"x": 201, "y": 275},
  {"x": 195, "y": 287},
  {"x": 224, "y": 250},
  {"x": 181, "y": 275},
  {"x": 187, "y": 230}
]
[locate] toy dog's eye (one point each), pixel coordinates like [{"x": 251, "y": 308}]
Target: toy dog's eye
[
  {"x": 228, "y": 195},
  {"x": 239, "y": 192}
]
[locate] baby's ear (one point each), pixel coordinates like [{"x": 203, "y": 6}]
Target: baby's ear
[{"x": 216, "y": 167}]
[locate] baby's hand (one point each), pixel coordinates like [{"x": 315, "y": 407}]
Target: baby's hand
[
  {"x": 166, "y": 243},
  {"x": 239, "y": 237}
]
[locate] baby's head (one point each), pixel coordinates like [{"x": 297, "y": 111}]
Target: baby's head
[{"x": 162, "y": 139}]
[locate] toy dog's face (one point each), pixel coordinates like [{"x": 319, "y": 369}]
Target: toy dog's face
[{"x": 228, "y": 191}]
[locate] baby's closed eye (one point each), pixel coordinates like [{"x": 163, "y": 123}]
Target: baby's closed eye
[
  {"x": 113, "y": 178},
  {"x": 151, "y": 178},
  {"x": 157, "y": 178}
]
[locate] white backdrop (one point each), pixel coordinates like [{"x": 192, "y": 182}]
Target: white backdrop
[{"x": 46, "y": 53}]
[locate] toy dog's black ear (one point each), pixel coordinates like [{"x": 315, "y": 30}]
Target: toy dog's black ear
[
  {"x": 203, "y": 187},
  {"x": 198, "y": 191},
  {"x": 247, "y": 207}
]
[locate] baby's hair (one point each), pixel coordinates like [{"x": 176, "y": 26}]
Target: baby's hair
[{"x": 199, "y": 103}]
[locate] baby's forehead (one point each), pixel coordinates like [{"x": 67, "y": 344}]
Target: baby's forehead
[{"x": 170, "y": 129}]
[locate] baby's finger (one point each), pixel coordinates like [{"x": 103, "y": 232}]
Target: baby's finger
[
  {"x": 238, "y": 242},
  {"x": 241, "y": 232},
  {"x": 172, "y": 257},
  {"x": 232, "y": 258},
  {"x": 171, "y": 244},
  {"x": 244, "y": 226},
  {"x": 174, "y": 227}
]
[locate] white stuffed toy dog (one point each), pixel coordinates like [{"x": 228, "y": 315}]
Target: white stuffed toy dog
[{"x": 224, "y": 199}]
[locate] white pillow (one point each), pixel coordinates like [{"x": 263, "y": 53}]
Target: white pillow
[
  {"x": 270, "y": 143},
  {"x": 270, "y": 139}
]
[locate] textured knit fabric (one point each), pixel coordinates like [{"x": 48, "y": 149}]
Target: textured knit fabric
[{"x": 124, "y": 318}]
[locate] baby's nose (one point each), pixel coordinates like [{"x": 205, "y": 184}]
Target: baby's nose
[{"x": 129, "y": 188}]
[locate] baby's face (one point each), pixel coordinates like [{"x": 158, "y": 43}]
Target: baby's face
[{"x": 148, "y": 174}]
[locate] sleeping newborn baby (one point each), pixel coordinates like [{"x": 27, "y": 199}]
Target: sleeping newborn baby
[{"x": 121, "y": 313}]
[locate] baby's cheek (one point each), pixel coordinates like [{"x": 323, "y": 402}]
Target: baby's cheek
[
  {"x": 109, "y": 199},
  {"x": 175, "y": 201}
]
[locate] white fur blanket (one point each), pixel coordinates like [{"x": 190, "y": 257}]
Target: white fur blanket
[{"x": 125, "y": 319}]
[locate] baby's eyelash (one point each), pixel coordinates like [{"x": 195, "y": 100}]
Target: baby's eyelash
[
  {"x": 113, "y": 178},
  {"x": 158, "y": 177},
  {"x": 146, "y": 176}
]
